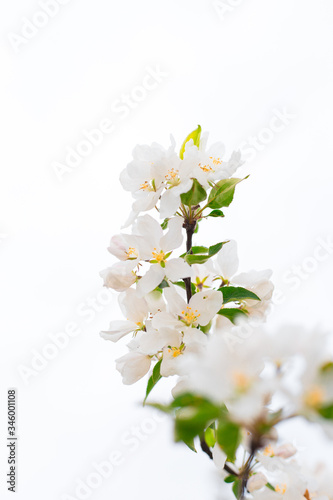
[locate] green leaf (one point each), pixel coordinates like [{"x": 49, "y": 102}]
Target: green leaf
[
  {"x": 183, "y": 286},
  {"x": 196, "y": 259},
  {"x": 191, "y": 421},
  {"x": 197, "y": 250},
  {"x": 222, "y": 193},
  {"x": 207, "y": 253},
  {"x": 236, "y": 293},
  {"x": 163, "y": 284},
  {"x": 327, "y": 367},
  {"x": 190, "y": 444},
  {"x": 232, "y": 313},
  {"x": 210, "y": 437},
  {"x": 236, "y": 488},
  {"x": 195, "y": 135},
  {"x": 195, "y": 195},
  {"x": 326, "y": 412},
  {"x": 165, "y": 223},
  {"x": 215, "y": 213},
  {"x": 270, "y": 486},
  {"x": 155, "y": 377},
  {"x": 230, "y": 479},
  {"x": 214, "y": 249},
  {"x": 229, "y": 438}
]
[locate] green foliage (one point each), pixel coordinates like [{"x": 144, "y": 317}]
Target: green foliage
[
  {"x": 232, "y": 314},
  {"x": 236, "y": 488},
  {"x": 195, "y": 135},
  {"x": 193, "y": 414},
  {"x": 155, "y": 377},
  {"x": 210, "y": 437},
  {"x": 195, "y": 195},
  {"x": 182, "y": 285},
  {"x": 222, "y": 193},
  {"x": 235, "y": 294},
  {"x": 326, "y": 412},
  {"x": 202, "y": 254},
  {"x": 215, "y": 213},
  {"x": 228, "y": 437}
]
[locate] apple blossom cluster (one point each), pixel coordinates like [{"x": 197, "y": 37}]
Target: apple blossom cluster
[{"x": 189, "y": 313}]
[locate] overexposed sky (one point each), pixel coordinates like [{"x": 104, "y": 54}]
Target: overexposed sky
[{"x": 255, "y": 74}]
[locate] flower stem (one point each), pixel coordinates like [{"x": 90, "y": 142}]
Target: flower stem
[{"x": 190, "y": 227}]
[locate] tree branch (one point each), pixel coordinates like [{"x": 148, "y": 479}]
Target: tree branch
[{"x": 190, "y": 228}]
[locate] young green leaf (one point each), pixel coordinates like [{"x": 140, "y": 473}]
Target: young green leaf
[
  {"x": 215, "y": 213},
  {"x": 234, "y": 294},
  {"x": 195, "y": 195},
  {"x": 236, "y": 488},
  {"x": 210, "y": 437},
  {"x": 232, "y": 313},
  {"x": 214, "y": 249},
  {"x": 155, "y": 377},
  {"x": 228, "y": 437},
  {"x": 195, "y": 136},
  {"x": 222, "y": 193}
]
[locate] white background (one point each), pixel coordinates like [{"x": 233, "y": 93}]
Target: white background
[{"x": 229, "y": 69}]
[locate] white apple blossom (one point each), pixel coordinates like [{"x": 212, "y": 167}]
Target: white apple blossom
[
  {"x": 119, "y": 276},
  {"x": 135, "y": 309},
  {"x": 200, "y": 310},
  {"x": 133, "y": 366}
]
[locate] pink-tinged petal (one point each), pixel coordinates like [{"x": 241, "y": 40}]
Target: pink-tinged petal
[
  {"x": 150, "y": 280},
  {"x": 174, "y": 237},
  {"x": 118, "y": 330},
  {"x": 176, "y": 269},
  {"x": 227, "y": 260},
  {"x": 207, "y": 304},
  {"x": 133, "y": 366}
]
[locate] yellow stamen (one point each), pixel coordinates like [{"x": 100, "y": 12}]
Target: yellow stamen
[
  {"x": 268, "y": 451},
  {"x": 132, "y": 252},
  {"x": 241, "y": 380},
  {"x": 206, "y": 168},
  {"x": 216, "y": 161},
  {"x": 281, "y": 489},
  {"x": 159, "y": 256},
  {"x": 314, "y": 397},
  {"x": 190, "y": 316}
]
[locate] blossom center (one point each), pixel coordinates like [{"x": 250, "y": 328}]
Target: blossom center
[
  {"x": 172, "y": 177},
  {"x": 206, "y": 168},
  {"x": 241, "y": 380},
  {"x": 159, "y": 256},
  {"x": 268, "y": 451},
  {"x": 176, "y": 351},
  {"x": 132, "y": 253},
  {"x": 216, "y": 161},
  {"x": 281, "y": 489},
  {"x": 147, "y": 186},
  {"x": 314, "y": 397},
  {"x": 189, "y": 316}
]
